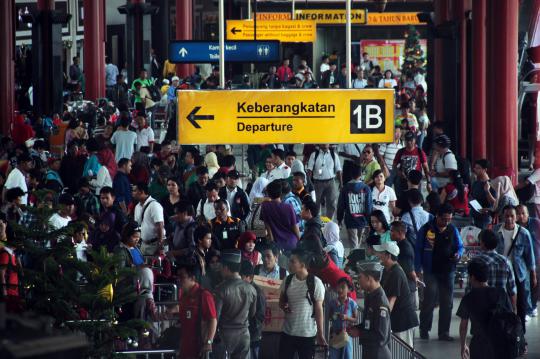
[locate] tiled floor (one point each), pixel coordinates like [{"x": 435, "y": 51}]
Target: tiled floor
[{"x": 435, "y": 349}]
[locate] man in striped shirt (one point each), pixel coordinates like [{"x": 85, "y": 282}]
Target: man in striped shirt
[
  {"x": 388, "y": 152},
  {"x": 500, "y": 269}
]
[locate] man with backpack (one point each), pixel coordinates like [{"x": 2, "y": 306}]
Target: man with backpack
[
  {"x": 302, "y": 296},
  {"x": 324, "y": 167},
  {"x": 354, "y": 206},
  {"x": 514, "y": 242},
  {"x": 409, "y": 158},
  {"x": 479, "y": 306},
  {"x": 446, "y": 161}
]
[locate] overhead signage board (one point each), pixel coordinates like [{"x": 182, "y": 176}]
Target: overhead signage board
[
  {"x": 235, "y": 51},
  {"x": 330, "y": 16},
  {"x": 284, "y": 31},
  {"x": 285, "y": 116},
  {"x": 358, "y": 17},
  {"x": 393, "y": 19}
]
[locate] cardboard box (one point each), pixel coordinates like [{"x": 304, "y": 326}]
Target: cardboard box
[
  {"x": 273, "y": 317},
  {"x": 270, "y": 287}
]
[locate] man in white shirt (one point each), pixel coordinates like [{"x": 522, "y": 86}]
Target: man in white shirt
[
  {"x": 324, "y": 168},
  {"x": 124, "y": 140},
  {"x": 17, "y": 177},
  {"x": 303, "y": 307},
  {"x": 445, "y": 162},
  {"x": 62, "y": 218},
  {"x": 111, "y": 71},
  {"x": 145, "y": 134},
  {"x": 282, "y": 171},
  {"x": 388, "y": 151},
  {"x": 359, "y": 82},
  {"x": 149, "y": 215}
]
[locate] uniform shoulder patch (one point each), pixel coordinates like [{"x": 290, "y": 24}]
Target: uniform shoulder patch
[{"x": 384, "y": 312}]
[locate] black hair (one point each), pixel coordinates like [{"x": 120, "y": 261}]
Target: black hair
[
  {"x": 14, "y": 193},
  {"x": 415, "y": 197},
  {"x": 445, "y": 209},
  {"x": 200, "y": 232},
  {"x": 376, "y": 173},
  {"x": 356, "y": 171},
  {"x": 484, "y": 163},
  {"x": 291, "y": 153},
  {"x": 346, "y": 281},
  {"x": 246, "y": 268},
  {"x": 218, "y": 176},
  {"x": 129, "y": 229},
  {"x": 455, "y": 176},
  {"x": 489, "y": 238},
  {"x": 434, "y": 202},
  {"x": 274, "y": 189},
  {"x": 508, "y": 207},
  {"x": 190, "y": 268},
  {"x": 124, "y": 120},
  {"x": 228, "y": 161},
  {"x": 74, "y": 123},
  {"x": 78, "y": 226},
  {"x": 221, "y": 201},
  {"x": 184, "y": 206},
  {"x": 270, "y": 247},
  {"x": 93, "y": 145},
  {"x": 36, "y": 174},
  {"x": 285, "y": 187},
  {"x": 311, "y": 206},
  {"x": 106, "y": 190},
  {"x": 415, "y": 177},
  {"x": 142, "y": 187},
  {"x": 211, "y": 186},
  {"x": 210, "y": 254},
  {"x": 279, "y": 153},
  {"x": 302, "y": 256},
  {"x": 399, "y": 226},
  {"x": 156, "y": 162},
  {"x": 300, "y": 174},
  {"x": 478, "y": 270},
  {"x": 201, "y": 170},
  {"x": 123, "y": 161},
  {"x": 381, "y": 218}
]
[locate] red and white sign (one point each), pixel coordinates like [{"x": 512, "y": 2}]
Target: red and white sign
[{"x": 388, "y": 54}]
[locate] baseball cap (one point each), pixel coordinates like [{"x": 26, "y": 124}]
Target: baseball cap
[
  {"x": 409, "y": 136},
  {"x": 175, "y": 78},
  {"x": 390, "y": 247},
  {"x": 371, "y": 268}
]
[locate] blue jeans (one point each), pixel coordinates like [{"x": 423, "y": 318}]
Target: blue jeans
[{"x": 441, "y": 287}]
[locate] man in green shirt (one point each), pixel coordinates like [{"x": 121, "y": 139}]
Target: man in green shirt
[{"x": 137, "y": 84}]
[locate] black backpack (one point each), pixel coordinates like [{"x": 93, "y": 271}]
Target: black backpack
[
  {"x": 310, "y": 295},
  {"x": 506, "y": 330},
  {"x": 154, "y": 93}
]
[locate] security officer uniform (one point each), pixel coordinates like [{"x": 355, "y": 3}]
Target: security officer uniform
[{"x": 375, "y": 327}]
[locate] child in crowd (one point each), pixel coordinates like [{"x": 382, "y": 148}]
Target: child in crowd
[
  {"x": 343, "y": 313},
  {"x": 246, "y": 242}
]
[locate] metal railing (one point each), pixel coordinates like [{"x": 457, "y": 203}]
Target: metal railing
[{"x": 146, "y": 353}]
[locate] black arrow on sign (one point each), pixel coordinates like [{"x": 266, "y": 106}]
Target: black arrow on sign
[
  {"x": 234, "y": 30},
  {"x": 193, "y": 117}
]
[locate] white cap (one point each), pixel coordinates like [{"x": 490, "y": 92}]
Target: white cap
[
  {"x": 390, "y": 247},
  {"x": 175, "y": 78},
  {"x": 165, "y": 81}
]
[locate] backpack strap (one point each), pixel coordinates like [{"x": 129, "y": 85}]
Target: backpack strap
[
  {"x": 310, "y": 281},
  {"x": 413, "y": 220},
  {"x": 514, "y": 240},
  {"x": 282, "y": 273},
  {"x": 288, "y": 281},
  {"x": 144, "y": 210}
]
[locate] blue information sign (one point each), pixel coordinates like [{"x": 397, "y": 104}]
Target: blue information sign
[{"x": 235, "y": 51}]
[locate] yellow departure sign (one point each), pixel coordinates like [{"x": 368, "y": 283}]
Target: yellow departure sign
[
  {"x": 331, "y": 16},
  {"x": 285, "y": 116},
  {"x": 284, "y": 31}
]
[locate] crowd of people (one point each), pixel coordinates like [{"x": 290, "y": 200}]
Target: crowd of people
[{"x": 389, "y": 216}]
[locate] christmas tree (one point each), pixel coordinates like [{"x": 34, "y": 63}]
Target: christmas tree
[
  {"x": 81, "y": 296},
  {"x": 413, "y": 55}
]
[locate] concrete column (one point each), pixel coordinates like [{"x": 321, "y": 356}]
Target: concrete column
[
  {"x": 184, "y": 31},
  {"x": 442, "y": 14},
  {"x": 7, "y": 65},
  {"x": 94, "y": 49},
  {"x": 478, "y": 78}
]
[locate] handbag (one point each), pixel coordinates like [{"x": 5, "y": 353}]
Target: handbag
[{"x": 341, "y": 339}]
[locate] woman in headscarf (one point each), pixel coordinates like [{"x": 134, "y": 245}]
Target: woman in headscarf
[
  {"x": 107, "y": 171},
  {"x": 334, "y": 247},
  {"x": 506, "y": 195},
  {"x": 211, "y": 162},
  {"x": 21, "y": 130},
  {"x": 140, "y": 170}
]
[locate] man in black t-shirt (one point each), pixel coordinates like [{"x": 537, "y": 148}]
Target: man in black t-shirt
[
  {"x": 405, "y": 238},
  {"x": 403, "y": 316},
  {"x": 478, "y": 306},
  {"x": 414, "y": 178}
]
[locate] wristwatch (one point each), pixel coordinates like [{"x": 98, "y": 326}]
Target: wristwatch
[{"x": 209, "y": 341}]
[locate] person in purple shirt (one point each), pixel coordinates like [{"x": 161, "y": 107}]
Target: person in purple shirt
[
  {"x": 279, "y": 219},
  {"x": 533, "y": 226}
]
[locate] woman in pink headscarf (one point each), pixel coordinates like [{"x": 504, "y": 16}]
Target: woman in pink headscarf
[{"x": 107, "y": 171}]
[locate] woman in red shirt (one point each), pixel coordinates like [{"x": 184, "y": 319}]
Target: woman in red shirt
[{"x": 457, "y": 194}]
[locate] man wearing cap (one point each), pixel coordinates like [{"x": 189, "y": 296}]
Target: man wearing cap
[
  {"x": 394, "y": 282},
  {"x": 374, "y": 331},
  {"x": 171, "y": 92},
  {"x": 149, "y": 214},
  {"x": 444, "y": 163},
  {"x": 438, "y": 249},
  {"x": 236, "y": 196},
  {"x": 17, "y": 177},
  {"x": 236, "y": 304}
]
